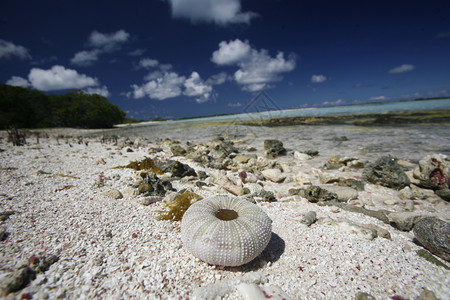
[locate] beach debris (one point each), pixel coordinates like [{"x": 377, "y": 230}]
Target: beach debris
[
  {"x": 16, "y": 137},
  {"x": 433, "y": 172},
  {"x": 147, "y": 164},
  {"x": 178, "y": 206},
  {"x": 434, "y": 235},
  {"x": 273, "y": 148},
  {"x": 225, "y": 231},
  {"x": 152, "y": 185},
  {"x": 387, "y": 172}
]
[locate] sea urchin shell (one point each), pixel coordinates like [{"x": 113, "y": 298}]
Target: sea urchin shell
[{"x": 225, "y": 231}]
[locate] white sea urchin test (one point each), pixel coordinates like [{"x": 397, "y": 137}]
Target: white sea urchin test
[{"x": 225, "y": 231}]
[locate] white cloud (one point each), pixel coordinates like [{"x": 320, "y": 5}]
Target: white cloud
[
  {"x": 231, "y": 53},
  {"x": 237, "y": 104},
  {"x": 378, "y": 98},
  {"x": 8, "y": 49},
  {"x": 217, "y": 79},
  {"x": 195, "y": 87},
  {"x": 85, "y": 58},
  {"x": 18, "y": 81},
  {"x": 221, "y": 12},
  {"x": 256, "y": 68},
  {"x": 318, "y": 78},
  {"x": 59, "y": 78},
  {"x": 337, "y": 102},
  {"x": 401, "y": 69},
  {"x": 137, "y": 52},
  {"x": 148, "y": 63},
  {"x": 108, "y": 42},
  {"x": 167, "y": 86},
  {"x": 102, "y": 43},
  {"x": 102, "y": 91}
]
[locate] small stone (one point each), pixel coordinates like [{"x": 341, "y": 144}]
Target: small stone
[
  {"x": 444, "y": 194},
  {"x": 274, "y": 175},
  {"x": 114, "y": 193},
  {"x": 404, "y": 221},
  {"x": 316, "y": 194},
  {"x": 386, "y": 172},
  {"x": 302, "y": 178},
  {"x": 344, "y": 194},
  {"x": 243, "y": 158},
  {"x": 434, "y": 235},
  {"x": 17, "y": 280},
  {"x": 309, "y": 218},
  {"x": 177, "y": 150},
  {"x": 353, "y": 183},
  {"x": 364, "y": 296},
  {"x": 390, "y": 202},
  {"x": 381, "y": 232},
  {"x": 301, "y": 156},
  {"x": 273, "y": 148},
  {"x": 149, "y": 200},
  {"x": 427, "y": 295},
  {"x": 250, "y": 291}
]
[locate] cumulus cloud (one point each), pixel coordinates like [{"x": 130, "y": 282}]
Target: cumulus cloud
[
  {"x": 337, "y": 102},
  {"x": 108, "y": 42},
  {"x": 161, "y": 88},
  {"x": 217, "y": 79},
  {"x": 401, "y": 69},
  {"x": 102, "y": 91},
  {"x": 148, "y": 63},
  {"x": 256, "y": 67},
  {"x": 101, "y": 43},
  {"x": 195, "y": 87},
  {"x": 137, "y": 52},
  {"x": 378, "y": 98},
  {"x": 9, "y": 49},
  {"x": 231, "y": 53},
  {"x": 59, "y": 78},
  {"x": 221, "y": 12},
  {"x": 85, "y": 58},
  {"x": 318, "y": 78},
  {"x": 18, "y": 81}
]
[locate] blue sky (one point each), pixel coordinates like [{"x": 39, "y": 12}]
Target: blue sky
[{"x": 183, "y": 58}]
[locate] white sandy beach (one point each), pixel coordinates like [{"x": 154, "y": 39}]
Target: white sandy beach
[{"x": 118, "y": 249}]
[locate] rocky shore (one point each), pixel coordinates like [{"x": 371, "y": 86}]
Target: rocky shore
[{"x": 97, "y": 214}]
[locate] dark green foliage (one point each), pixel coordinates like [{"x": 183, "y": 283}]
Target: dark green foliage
[{"x": 27, "y": 108}]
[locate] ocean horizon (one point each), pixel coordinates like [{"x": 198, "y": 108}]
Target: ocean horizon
[{"x": 266, "y": 109}]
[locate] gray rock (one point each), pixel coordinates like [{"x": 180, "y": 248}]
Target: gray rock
[
  {"x": 153, "y": 186},
  {"x": 316, "y": 194},
  {"x": 309, "y": 218},
  {"x": 386, "y": 172},
  {"x": 177, "y": 150},
  {"x": 177, "y": 168},
  {"x": 17, "y": 280},
  {"x": 353, "y": 183},
  {"x": 343, "y": 193},
  {"x": 273, "y": 148},
  {"x": 431, "y": 258},
  {"x": 434, "y": 235},
  {"x": 404, "y": 221},
  {"x": 444, "y": 194},
  {"x": 378, "y": 214}
]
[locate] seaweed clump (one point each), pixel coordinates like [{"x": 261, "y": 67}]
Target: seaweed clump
[
  {"x": 146, "y": 164},
  {"x": 178, "y": 206}
]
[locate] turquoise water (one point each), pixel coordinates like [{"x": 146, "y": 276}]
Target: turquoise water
[{"x": 264, "y": 112}]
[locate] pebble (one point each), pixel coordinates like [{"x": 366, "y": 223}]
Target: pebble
[
  {"x": 309, "y": 218},
  {"x": 301, "y": 156},
  {"x": 404, "y": 221},
  {"x": 114, "y": 193},
  {"x": 434, "y": 235},
  {"x": 344, "y": 194},
  {"x": 274, "y": 175}
]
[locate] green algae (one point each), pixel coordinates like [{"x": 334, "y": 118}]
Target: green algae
[
  {"x": 178, "y": 206},
  {"x": 146, "y": 164}
]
